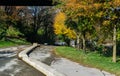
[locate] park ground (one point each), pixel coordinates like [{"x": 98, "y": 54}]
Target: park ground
[{"x": 91, "y": 59}]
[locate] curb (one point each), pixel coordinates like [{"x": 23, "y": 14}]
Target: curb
[{"x": 45, "y": 69}]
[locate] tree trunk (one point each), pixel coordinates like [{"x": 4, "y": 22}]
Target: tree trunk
[
  {"x": 114, "y": 44},
  {"x": 78, "y": 42},
  {"x": 83, "y": 39}
]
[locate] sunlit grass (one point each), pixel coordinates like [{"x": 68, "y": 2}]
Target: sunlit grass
[{"x": 91, "y": 59}]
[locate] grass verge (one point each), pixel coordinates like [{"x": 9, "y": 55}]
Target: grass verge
[
  {"x": 91, "y": 59},
  {"x": 13, "y": 42}
]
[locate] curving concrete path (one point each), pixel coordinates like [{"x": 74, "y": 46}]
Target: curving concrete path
[
  {"x": 45, "y": 69},
  {"x": 62, "y": 65}
]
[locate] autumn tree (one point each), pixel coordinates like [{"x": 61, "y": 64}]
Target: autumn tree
[
  {"x": 80, "y": 13},
  {"x": 113, "y": 24},
  {"x": 60, "y": 28},
  {"x": 29, "y": 21},
  {"x": 98, "y": 11},
  {"x": 108, "y": 14},
  {"x": 7, "y": 18},
  {"x": 37, "y": 21}
]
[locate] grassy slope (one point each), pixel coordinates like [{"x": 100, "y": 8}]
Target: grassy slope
[
  {"x": 13, "y": 42},
  {"x": 91, "y": 59}
]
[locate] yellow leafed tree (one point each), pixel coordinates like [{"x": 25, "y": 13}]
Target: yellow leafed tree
[{"x": 60, "y": 28}]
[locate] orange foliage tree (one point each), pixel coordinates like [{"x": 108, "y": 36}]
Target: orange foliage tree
[{"x": 99, "y": 11}]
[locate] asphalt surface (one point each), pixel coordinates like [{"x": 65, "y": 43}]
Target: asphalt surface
[
  {"x": 10, "y": 65},
  {"x": 63, "y": 65}
]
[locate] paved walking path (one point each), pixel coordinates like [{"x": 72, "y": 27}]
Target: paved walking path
[
  {"x": 74, "y": 69},
  {"x": 65, "y": 66},
  {"x": 10, "y": 65}
]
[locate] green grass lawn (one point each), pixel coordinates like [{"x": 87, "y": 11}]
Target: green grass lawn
[
  {"x": 91, "y": 59},
  {"x": 13, "y": 42}
]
